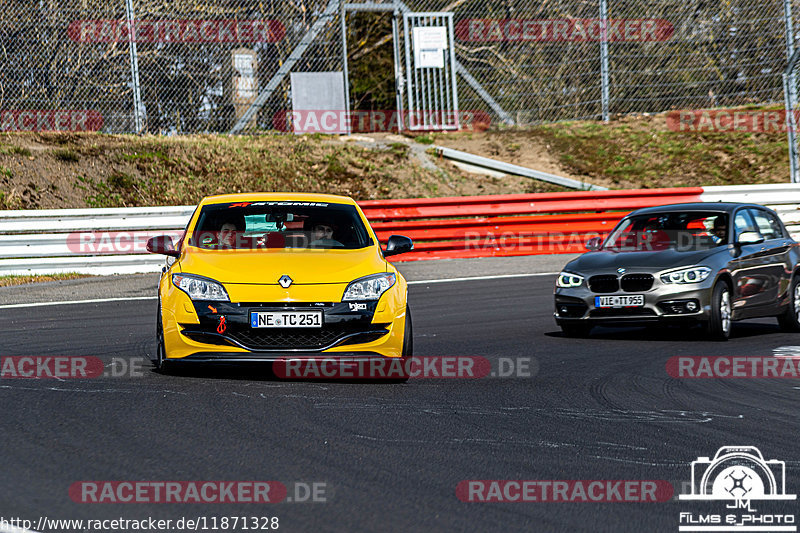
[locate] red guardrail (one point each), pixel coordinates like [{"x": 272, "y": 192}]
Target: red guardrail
[{"x": 512, "y": 224}]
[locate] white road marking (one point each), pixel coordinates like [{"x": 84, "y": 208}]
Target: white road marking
[
  {"x": 786, "y": 352},
  {"x": 132, "y": 298},
  {"x": 479, "y": 278},
  {"x": 70, "y": 302}
]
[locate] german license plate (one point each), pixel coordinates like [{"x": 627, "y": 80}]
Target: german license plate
[
  {"x": 628, "y": 300},
  {"x": 286, "y": 319}
]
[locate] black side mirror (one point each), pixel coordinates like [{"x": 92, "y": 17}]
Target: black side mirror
[
  {"x": 594, "y": 243},
  {"x": 398, "y": 244},
  {"x": 162, "y": 244}
]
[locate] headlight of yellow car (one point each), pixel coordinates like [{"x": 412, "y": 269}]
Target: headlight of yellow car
[
  {"x": 369, "y": 287},
  {"x": 199, "y": 288}
]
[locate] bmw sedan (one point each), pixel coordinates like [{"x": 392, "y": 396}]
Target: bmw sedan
[
  {"x": 707, "y": 263},
  {"x": 265, "y": 277}
]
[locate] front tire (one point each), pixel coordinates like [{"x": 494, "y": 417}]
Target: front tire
[
  {"x": 719, "y": 324},
  {"x": 408, "y": 346},
  {"x": 161, "y": 363},
  {"x": 790, "y": 319}
]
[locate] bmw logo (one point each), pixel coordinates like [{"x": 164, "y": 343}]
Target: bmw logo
[{"x": 620, "y": 271}]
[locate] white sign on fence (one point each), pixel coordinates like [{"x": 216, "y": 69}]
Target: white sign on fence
[{"x": 430, "y": 42}]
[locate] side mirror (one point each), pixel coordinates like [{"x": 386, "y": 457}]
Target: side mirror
[
  {"x": 162, "y": 244},
  {"x": 398, "y": 244},
  {"x": 750, "y": 237},
  {"x": 594, "y": 244}
]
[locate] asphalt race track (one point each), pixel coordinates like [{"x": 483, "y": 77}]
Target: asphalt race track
[{"x": 391, "y": 456}]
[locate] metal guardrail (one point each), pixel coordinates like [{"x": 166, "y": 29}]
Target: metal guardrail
[
  {"x": 112, "y": 241},
  {"x": 508, "y": 168}
]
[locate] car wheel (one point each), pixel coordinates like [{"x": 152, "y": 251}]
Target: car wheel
[
  {"x": 576, "y": 330},
  {"x": 161, "y": 363},
  {"x": 719, "y": 325},
  {"x": 408, "y": 346},
  {"x": 790, "y": 319}
]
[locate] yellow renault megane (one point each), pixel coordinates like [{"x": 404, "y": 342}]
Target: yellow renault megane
[{"x": 269, "y": 276}]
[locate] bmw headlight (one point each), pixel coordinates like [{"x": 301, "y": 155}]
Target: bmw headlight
[
  {"x": 566, "y": 280},
  {"x": 686, "y": 275},
  {"x": 369, "y": 287},
  {"x": 200, "y": 288}
]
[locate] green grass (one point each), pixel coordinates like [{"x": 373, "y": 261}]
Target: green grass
[
  {"x": 8, "y": 281},
  {"x": 66, "y": 155},
  {"x": 14, "y": 150}
]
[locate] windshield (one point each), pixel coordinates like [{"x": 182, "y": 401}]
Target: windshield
[
  {"x": 258, "y": 225},
  {"x": 679, "y": 230}
]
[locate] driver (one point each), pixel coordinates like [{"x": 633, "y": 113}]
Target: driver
[
  {"x": 653, "y": 236},
  {"x": 720, "y": 232},
  {"x": 322, "y": 234},
  {"x": 231, "y": 227}
]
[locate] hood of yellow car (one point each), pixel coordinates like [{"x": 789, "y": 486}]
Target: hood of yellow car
[{"x": 266, "y": 266}]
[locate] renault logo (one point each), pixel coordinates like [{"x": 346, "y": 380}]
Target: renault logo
[{"x": 285, "y": 281}]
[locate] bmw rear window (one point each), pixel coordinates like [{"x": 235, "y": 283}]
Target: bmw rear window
[{"x": 275, "y": 224}]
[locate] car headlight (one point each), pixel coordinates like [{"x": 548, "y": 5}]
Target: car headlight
[
  {"x": 566, "y": 280},
  {"x": 200, "y": 288},
  {"x": 686, "y": 275},
  {"x": 369, "y": 287}
]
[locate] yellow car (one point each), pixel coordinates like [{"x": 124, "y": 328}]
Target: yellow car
[{"x": 271, "y": 276}]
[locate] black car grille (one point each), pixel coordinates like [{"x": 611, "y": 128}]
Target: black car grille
[
  {"x": 285, "y": 338},
  {"x": 606, "y": 283},
  {"x": 637, "y": 282},
  {"x": 292, "y": 339},
  {"x": 622, "y": 312}
]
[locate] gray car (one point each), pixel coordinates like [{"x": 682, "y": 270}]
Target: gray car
[{"x": 709, "y": 263}]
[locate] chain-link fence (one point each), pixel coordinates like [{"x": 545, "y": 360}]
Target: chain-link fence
[{"x": 218, "y": 66}]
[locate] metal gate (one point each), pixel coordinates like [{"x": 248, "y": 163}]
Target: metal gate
[{"x": 430, "y": 74}]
